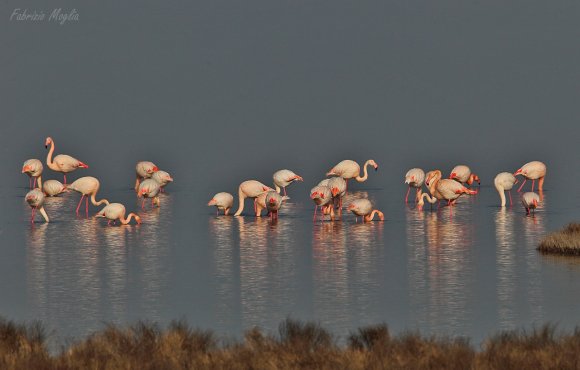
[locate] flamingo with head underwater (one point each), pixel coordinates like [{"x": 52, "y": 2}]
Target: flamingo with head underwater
[
  {"x": 88, "y": 186},
  {"x": 415, "y": 178}
]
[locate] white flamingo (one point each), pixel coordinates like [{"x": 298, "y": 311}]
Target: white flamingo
[
  {"x": 504, "y": 181},
  {"x": 116, "y": 211},
  {"x": 415, "y": 178},
  {"x": 364, "y": 208},
  {"x": 274, "y": 203},
  {"x": 33, "y": 168},
  {"x": 163, "y": 178},
  {"x": 149, "y": 188},
  {"x": 530, "y": 200},
  {"x": 222, "y": 201},
  {"x": 53, "y": 188},
  {"x": 337, "y": 187},
  {"x": 349, "y": 169},
  {"x": 250, "y": 189},
  {"x": 463, "y": 174},
  {"x": 88, "y": 186},
  {"x": 61, "y": 163},
  {"x": 322, "y": 197},
  {"x": 35, "y": 199},
  {"x": 144, "y": 170},
  {"x": 283, "y": 178},
  {"x": 534, "y": 170}
]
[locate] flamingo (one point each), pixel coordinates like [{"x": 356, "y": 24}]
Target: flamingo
[
  {"x": 62, "y": 163},
  {"x": 260, "y": 203},
  {"x": 33, "y": 168},
  {"x": 364, "y": 208},
  {"x": 163, "y": 178},
  {"x": 446, "y": 189},
  {"x": 322, "y": 197},
  {"x": 415, "y": 178},
  {"x": 144, "y": 170},
  {"x": 35, "y": 199},
  {"x": 149, "y": 188},
  {"x": 284, "y": 178},
  {"x": 463, "y": 174},
  {"x": 504, "y": 181},
  {"x": 323, "y": 182},
  {"x": 337, "y": 187},
  {"x": 116, "y": 211},
  {"x": 530, "y": 200},
  {"x": 53, "y": 188},
  {"x": 222, "y": 201},
  {"x": 534, "y": 170},
  {"x": 250, "y": 189},
  {"x": 348, "y": 169},
  {"x": 274, "y": 203},
  {"x": 87, "y": 186}
]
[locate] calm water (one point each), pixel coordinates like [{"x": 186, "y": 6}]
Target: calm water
[{"x": 467, "y": 274}]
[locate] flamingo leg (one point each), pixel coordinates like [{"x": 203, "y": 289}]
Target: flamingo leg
[
  {"x": 533, "y": 183},
  {"x": 522, "y": 185},
  {"x": 79, "y": 205},
  {"x": 64, "y": 179},
  {"x": 284, "y": 191},
  {"x": 30, "y": 182},
  {"x": 109, "y": 223},
  {"x": 143, "y": 203},
  {"x": 315, "y": 209},
  {"x": 87, "y": 206},
  {"x": 510, "y": 194},
  {"x": 34, "y": 183},
  {"x": 33, "y": 212},
  {"x": 407, "y": 196}
]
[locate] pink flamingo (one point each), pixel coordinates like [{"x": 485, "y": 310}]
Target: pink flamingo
[
  {"x": 62, "y": 163},
  {"x": 33, "y": 168},
  {"x": 364, "y": 208},
  {"x": 35, "y": 199},
  {"x": 504, "y": 181},
  {"x": 322, "y": 197},
  {"x": 163, "y": 178},
  {"x": 463, "y": 174},
  {"x": 144, "y": 170},
  {"x": 116, "y": 211},
  {"x": 88, "y": 186},
  {"x": 149, "y": 188},
  {"x": 349, "y": 169},
  {"x": 534, "y": 170},
  {"x": 530, "y": 200},
  {"x": 415, "y": 178},
  {"x": 53, "y": 188},
  {"x": 250, "y": 189},
  {"x": 444, "y": 189},
  {"x": 222, "y": 201},
  {"x": 284, "y": 178},
  {"x": 274, "y": 203},
  {"x": 337, "y": 187}
]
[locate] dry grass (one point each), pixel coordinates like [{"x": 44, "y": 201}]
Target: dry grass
[
  {"x": 563, "y": 242},
  {"x": 297, "y": 346}
]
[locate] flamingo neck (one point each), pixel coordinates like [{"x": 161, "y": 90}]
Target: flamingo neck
[
  {"x": 277, "y": 188},
  {"x": 94, "y": 199},
  {"x": 49, "y": 161},
  {"x": 500, "y": 191},
  {"x": 43, "y": 213},
  {"x": 372, "y": 215},
  {"x": 365, "y": 173},
  {"x": 124, "y": 220},
  {"x": 426, "y": 196}
]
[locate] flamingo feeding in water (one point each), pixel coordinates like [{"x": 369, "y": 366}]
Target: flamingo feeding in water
[
  {"x": 53, "y": 188},
  {"x": 364, "y": 208},
  {"x": 61, "y": 163},
  {"x": 415, "y": 178},
  {"x": 250, "y": 189},
  {"x": 33, "y": 168},
  {"x": 35, "y": 199},
  {"x": 274, "y": 203},
  {"x": 443, "y": 189},
  {"x": 534, "y": 170},
  {"x": 88, "y": 186},
  {"x": 463, "y": 174},
  {"x": 144, "y": 170},
  {"x": 116, "y": 211},
  {"x": 222, "y": 201},
  {"x": 163, "y": 178},
  {"x": 284, "y": 178},
  {"x": 530, "y": 200},
  {"x": 337, "y": 187},
  {"x": 149, "y": 188},
  {"x": 349, "y": 169},
  {"x": 504, "y": 181},
  {"x": 322, "y": 197}
]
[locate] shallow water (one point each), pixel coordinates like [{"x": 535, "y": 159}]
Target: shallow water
[{"x": 468, "y": 273}]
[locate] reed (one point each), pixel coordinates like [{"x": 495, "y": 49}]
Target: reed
[
  {"x": 562, "y": 242},
  {"x": 297, "y": 345}
]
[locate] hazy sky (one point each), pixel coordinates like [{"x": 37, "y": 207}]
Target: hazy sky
[{"x": 231, "y": 90}]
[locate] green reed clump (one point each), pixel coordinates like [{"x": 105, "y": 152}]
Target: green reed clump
[{"x": 563, "y": 242}]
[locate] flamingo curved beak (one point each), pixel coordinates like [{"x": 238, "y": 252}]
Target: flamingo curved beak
[
  {"x": 26, "y": 169},
  {"x": 376, "y": 167},
  {"x": 138, "y": 219},
  {"x": 518, "y": 172},
  {"x": 313, "y": 195},
  {"x": 453, "y": 175},
  {"x": 211, "y": 202}
]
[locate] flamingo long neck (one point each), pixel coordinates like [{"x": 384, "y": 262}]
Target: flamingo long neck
[
  {"x": 501, "y": 193},
  {"x": 39, "y": 181},
  {"x": 428, "y": 197},
  {"x": 434, "y": 182},
  {"x": 124, "y": 220},
  {"x": 94, "y": 199},
  {"x": 49, "y": 161},
  {"x": 277, "y": 188},
  {"x": 365, "y": 173},
  {"x": 43, "y": 213},
  {"x": 372, "y": 215},
  {"x": 242, "y": 197}
]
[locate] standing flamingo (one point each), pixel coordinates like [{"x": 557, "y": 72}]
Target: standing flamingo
[
  {"x": 149, "y": 188},
  {"x": 87, "y": 186},
  {"x": 222, "y": 201},
  {"x": 35, "y": 199},
  {"x": 322, "y": 197},
  {"x": 534, "y": 170},
  {"x": 463, "y": 174},
  {"x": 53, "y": 188},
  {"x": 163, "y": 178},
  {"x": 348, "y": 169},
  {"x": 33, "y": 168},
  {"x": 62, "y": 163},
  {"x": 530, "y": 200},
  {"x": 364, "y": 208},
  {"x": 250, "y": 189},
  {"x": 144, "y": 170},
  {"x": 116, "y": 211},
  {"x": 337, "y": 187},
  {"x": 274, "y": 203},
  {"x": 415, "y": 178},
  {"x": 504, "y": 181},
  {"x": 445, "y": 189},
  {"x": 284, "y": 178}
]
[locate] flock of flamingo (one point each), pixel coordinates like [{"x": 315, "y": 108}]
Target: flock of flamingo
[
  {"x": 327, "y": 195},
  {"x": 149, "y": 182}
]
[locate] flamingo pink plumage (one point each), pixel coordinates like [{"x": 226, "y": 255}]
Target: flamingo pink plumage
[
  {"x": 222, "y": 201},
  {"x": 88, "y": 186},
  {"x": 250, "y": 189},
  {"x": 61, "y": 163},
  {"x": 144, "y": 170},
  {"x": 33, "y": 168},
  {"x": 349, "y": 169},
  {"x": 149, "y": 188},
  {"x": 463, "y": 174},
  {"x": 530, "y": 200},
  {"x": 35, "y": 199},
  {"x": 116, "y": 211},
  {"x": 283, "y": 178},
  {"x": 504, "y": 181},
  {"x": 415, "y": 177},
  {"x": 364, "y": 208},
  {"x": 444, "y": 189},
  {"x": 534, "y": 170}
]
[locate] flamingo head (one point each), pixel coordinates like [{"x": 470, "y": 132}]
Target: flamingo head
[
  {"x": 352, "y": 207},
  {"x": 432, "y": 175},
  {"x": 212, "y": 202},
  {"x": 143, "y": 191},
  {"x": 152, "y": 169},
  {"x": 298, "y": 178},
  {"x": 453, "y": 175},
  {"x": 334, "y": 191},
  {"x": 47, "y": 142},
  {"x": 31, "y": 197},
  {"x": 272, "y": 200},
  {"x": 26, "y": 168},
  {"x": 473, "y": 177},
  {"x": 519, "y": 172},
  {"x": 374, "y": 164},
  {"x": 138, "y": 219},
  {"x": 535, "y": 203}
]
